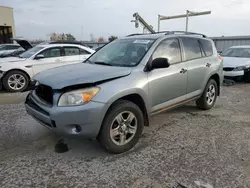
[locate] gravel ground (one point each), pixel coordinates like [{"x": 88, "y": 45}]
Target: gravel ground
[{"x": 186, "y": 145}]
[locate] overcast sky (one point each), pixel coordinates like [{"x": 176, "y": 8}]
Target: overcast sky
[{"x": 36, "y": 19}]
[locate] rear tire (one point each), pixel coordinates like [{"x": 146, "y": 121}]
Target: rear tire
[
  {"x": 15, "y": 81},
  {"x": 209, "y": 96},
  {"x": 122, "y": 127}
]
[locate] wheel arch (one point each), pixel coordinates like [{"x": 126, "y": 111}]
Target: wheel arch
[
  {"x": 20, "y": 70},
  {"x": 17, "y": 70},
  {"x": 137, "y": 99},
  {"x": 216, "y": 77}
]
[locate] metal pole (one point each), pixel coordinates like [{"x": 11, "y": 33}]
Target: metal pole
[
  {"x": 187, "y": 21},
  {"x": 159, "y": 22}
]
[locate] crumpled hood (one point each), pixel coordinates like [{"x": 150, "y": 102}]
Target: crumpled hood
[
  {"x": 11, "y": 59},
  {"x": 235, "y": 61},
  {"x": 81, "y": 73}
]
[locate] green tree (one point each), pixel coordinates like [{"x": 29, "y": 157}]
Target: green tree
[{"x": 112, "y": 37}]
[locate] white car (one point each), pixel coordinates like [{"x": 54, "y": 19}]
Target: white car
[
  {"x": 16, "y": 72},
  {"x": 237, "y": 62},
  {"x": 8, "y": 48}
]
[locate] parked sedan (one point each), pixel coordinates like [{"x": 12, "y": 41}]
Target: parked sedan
[
  {"x": 8, "y": 49},
  {"x": 17, "y": 72},
  {"x": 237, "y": 63}
]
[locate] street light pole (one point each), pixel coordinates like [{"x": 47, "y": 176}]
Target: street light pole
[
  {"x": 187, "y": 21},
  {"x": 159, "y": 22}
]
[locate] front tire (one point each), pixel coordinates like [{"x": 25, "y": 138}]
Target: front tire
[
  {"x": 209, "y": 96},
  {"x": 247, "y": 77},
  {"x": 122, "y": 127},
  {"x": 15, "y": 81}
]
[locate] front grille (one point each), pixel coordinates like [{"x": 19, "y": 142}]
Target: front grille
[
  {"x": 228, "y": 69},
  {"x": 33, "y": 105},
  {"x": 45, "y": 93}
]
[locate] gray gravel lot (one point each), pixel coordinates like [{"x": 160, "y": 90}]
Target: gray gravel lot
[{"x": 185, "y": 145}]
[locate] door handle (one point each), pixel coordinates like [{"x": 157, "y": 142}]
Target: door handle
[
  {"x": 183, "y": 71},
  {"x": 208, "y": 64}
]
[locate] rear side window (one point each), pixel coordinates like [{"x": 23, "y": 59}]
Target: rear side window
[
  {"x": 192, "y": 48},
  {"x": 207, "y": 47},
  {"x": 51, "y": 52},
  {"x": 170, "y": 49},
  {"x": 83, "y": 52},
  {"x": 70, "y": 51}
]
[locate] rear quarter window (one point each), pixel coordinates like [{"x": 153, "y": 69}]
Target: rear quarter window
[{"x": 207, "y": 47}]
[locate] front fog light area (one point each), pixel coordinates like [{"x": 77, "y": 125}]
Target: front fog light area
[{"x": 76, "y": 128}]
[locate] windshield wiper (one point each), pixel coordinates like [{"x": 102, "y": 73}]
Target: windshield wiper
[{"x": 102, "y": 63}]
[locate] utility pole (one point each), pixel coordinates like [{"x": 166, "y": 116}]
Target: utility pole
[
  {"x": 82, "y": 33},
  {"x": 187, "y": 15}
]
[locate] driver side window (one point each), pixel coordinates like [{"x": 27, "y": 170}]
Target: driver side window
[
  {"x": 51, "y": 52},
  {"x": 170, "y": 49}
]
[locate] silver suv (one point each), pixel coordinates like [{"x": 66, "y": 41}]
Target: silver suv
[{"x": 114, "y": 92}]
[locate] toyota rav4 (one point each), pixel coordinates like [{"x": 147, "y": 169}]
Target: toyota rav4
[{"x": 113, "y": 93}]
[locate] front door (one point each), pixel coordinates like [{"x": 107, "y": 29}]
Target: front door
[
  {"x": 168, "y": 86},
  {"x": 52, "y": 57}
]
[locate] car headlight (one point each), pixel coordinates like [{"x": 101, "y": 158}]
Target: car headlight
[
  {"x": 241, "y": 68},
  {"x": 78, "y": 97}
]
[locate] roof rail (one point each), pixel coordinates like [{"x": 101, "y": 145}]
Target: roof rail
[
  {"x": 169, "y": 33},
  {"x": 134, "y": 34},
  {"x": 182, "y": 32}
]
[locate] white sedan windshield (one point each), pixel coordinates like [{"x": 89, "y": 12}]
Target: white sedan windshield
[
  {"x": 237, "y": 52},
  {"x": 31, "y": 52}
]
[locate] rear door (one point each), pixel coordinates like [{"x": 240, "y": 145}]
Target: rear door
[
  {"x": 71, "y": 55},
  {"x": 196, "y": 65},
  {"x": 52, "y": 58}
]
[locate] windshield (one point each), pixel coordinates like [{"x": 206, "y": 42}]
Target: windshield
[
  {"x": 125, "y": 52},
  {"x": 31, "y": 52},
  {"x": 236, "y": 52}
]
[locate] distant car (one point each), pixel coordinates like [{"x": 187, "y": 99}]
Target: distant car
[
  {"x": 237, "y": 63},
  {"x": 16, "y": 72},
  {"x": 14, "y": 50},
  {"x": 8, "y": 49}
]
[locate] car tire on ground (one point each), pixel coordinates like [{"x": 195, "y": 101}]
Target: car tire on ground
[
  {"x": 122, "y": 127},
  {"x": 15, "y": 81},
  {"x": 247, "y": 77},
  {"x": 209, "y": 96}
]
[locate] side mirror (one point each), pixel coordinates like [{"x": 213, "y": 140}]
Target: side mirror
[
  {"x": 40, "y": 56},
  {"x": 160, "y": 63}
]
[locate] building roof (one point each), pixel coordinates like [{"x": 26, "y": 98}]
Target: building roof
[
  {"x": 5, "y": 7},
  {"x": 231, "y": 37}
]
